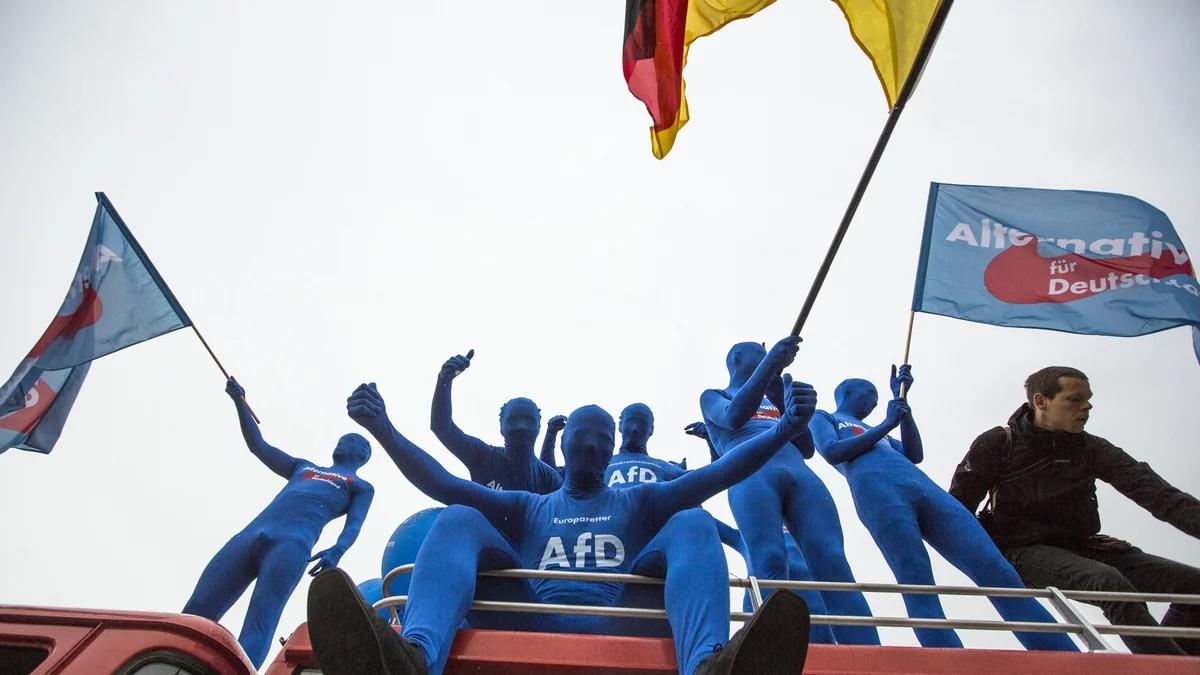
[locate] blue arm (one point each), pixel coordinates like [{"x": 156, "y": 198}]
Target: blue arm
[
  {"x": 275, "y": 459},
  {"x": 733, "y": 413},
  {"x": 909, "y": 444},
  {"x": 692, "y": 488},
  {"x": 837, "y": 451},
  {"x": 360, "y": 503},
  {"x": 366, "y": 407},
  {"x": 553, "y": 426},
  {"x": 466, "y": 448}
]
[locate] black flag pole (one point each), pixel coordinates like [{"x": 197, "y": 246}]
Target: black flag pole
[{"x": 910, "y": 83}]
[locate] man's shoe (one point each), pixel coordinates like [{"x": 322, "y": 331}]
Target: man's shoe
[
  {"x": 773, "y": 642},
  {"x": 349, "y": 638}
]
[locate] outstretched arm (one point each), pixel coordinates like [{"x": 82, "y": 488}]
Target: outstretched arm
[
  {"x": 692, "y": 488},
  {"x": 733, "y": 413},
  {"x": 1137, "y": 481},
  {"x": 553, "y": 426},
  {"x": 360, "y": 503},
  {"x": 836, "y": 451},
  {"x": 366, "y": 407},
  {"x": 466, "y": 448},
  {"x": 276, "y": 460}
]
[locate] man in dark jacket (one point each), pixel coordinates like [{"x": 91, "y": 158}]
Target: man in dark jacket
[{"x": 1039, "y": 477}]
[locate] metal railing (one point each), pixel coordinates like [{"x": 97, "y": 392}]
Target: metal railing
[{"x": 1073, "y": 622}]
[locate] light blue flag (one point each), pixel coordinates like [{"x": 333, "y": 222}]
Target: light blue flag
[
  {"x": 116, "y": 299},
  {"x": 1082, "y": 262}
]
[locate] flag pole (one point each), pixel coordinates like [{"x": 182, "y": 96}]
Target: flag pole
[
  {"x": 912, "y": 315},
  {"x": 910, "y": 83},
  {"x": 223, "y": 371},
  {"x": 162, "y": 285}
]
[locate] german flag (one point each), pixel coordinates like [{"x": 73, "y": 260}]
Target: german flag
[
  {"x": 652, "y": 59},
  {"x": 658, "y": 34}
]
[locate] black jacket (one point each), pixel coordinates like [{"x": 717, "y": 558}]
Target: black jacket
[{"x": 1043, "y": 485}]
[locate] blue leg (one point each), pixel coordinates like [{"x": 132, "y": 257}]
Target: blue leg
[
  {"x": 960, "y": 539},
  {"x": 281, "y": 570},
  {"x": 798, "y": 571},
  {"x": 224, "y": 578},
  {"x": 755, "y": 504},
  {"x": 460, "y": 544},
  {"x": 892, "y": 522},
  {"x": 687, "y": 553},
  {"x": 813, "y": 520}
]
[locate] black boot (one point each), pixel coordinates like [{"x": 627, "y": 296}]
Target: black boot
[
  {"x": 773, "y": 642},
  {"x": 349, "y": 638}
]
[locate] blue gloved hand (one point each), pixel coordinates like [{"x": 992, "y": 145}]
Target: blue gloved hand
[
  {"x": 897, "y": 411},
  {"x": 799, "y": 404},
  {"x": 899, "y": 377},
  {"x": 784, "y": 352},
  {"x": 327, "y": 559},
  {"x": 454, "y": 366},
  {"x": 697, "y": 429},
  {"x": 366, "y": 407},
  {"x": 556, "y": 424},
  {"x": 235, "y": 390}
]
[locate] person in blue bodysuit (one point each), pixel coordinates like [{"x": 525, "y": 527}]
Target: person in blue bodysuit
[
  {"x": 651, "y": 528},
  {"x": 511, "y": 467},
  {"x": 785, "y": 490},
  {"x": 275, "y": 546},
  {"x": 797, "y": 565},
  {"x": 901, "y": 506}
]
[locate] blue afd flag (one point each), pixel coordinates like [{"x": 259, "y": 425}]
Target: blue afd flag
[
  {"x": 1082, "y": 262},
  {"x": 116, "y": 299}
]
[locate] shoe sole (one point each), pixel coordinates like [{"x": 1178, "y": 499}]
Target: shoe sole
[
  {"x": 341, "y": 628},
  {"x": 776, "y": 641}
]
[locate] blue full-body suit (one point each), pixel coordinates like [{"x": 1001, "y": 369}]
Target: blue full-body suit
[
  {"x": 785, "y": 490},
  {"x": 797, "y": 565},
  {"x": 651, "y": 528},
  {"x": 901, "y": 506},
  {"x": 511, "y": 467},
  {"x": 272, "y": 550}
]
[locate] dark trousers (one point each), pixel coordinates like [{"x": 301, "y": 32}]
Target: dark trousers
[{"x": 1117, "y": 569}]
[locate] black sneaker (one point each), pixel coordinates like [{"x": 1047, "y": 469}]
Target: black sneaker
[
  {"x": 773, "y": 642},
  {"x": 349, "y": 638}
]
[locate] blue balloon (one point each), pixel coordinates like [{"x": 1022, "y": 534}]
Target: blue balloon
[
  {"x": 403, "y": 545},
  {"x": 372, "y": 592}
]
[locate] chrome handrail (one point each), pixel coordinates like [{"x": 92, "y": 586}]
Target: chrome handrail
[{"x": 1073, "y": 621}]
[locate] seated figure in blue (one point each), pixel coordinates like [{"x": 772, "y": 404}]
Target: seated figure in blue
[
  {"x": 511, "y": 467},
  {"x": 654, "y": 529},
  {"x": 784, "y": 490},
  {"x": 275, "y": 546},
  {"x": 901, "y": 506},
  {"x": 797, "y": 566}
]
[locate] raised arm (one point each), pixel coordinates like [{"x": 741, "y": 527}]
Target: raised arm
[
  {"x": 1137, "y": 481},
  {"x": 909, "y": 444},
  {"x": 366, "y": 407},
  {"x": 275, "y": 459},
  {"x": 692, "y": 488},
  {"x": 466, "y": 448},
  {"x": 836, "y": 451},
  {"x": 733, "y": 413},
  {"x": 553, "y": 426},
  {"x": 360, "y": 503}
]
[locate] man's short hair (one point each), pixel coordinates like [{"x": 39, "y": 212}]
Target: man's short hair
[{"x": 1045, "y": 381}]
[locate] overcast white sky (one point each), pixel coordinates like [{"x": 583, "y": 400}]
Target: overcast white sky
[{"x": 354, "y": 191}]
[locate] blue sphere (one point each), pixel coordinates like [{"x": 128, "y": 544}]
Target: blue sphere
[
  {"x": 372, "y": 592},
  {"x": 403, "y": 545}
]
